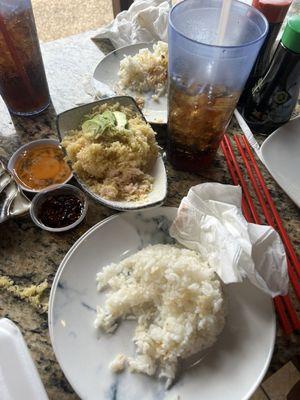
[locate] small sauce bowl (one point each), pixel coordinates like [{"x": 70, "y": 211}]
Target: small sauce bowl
[
  {"x": 18, "y": 154},
  {"x": 52, "y": 195}
]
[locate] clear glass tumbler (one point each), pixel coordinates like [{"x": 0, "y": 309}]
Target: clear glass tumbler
[
  {"x": 23, "y": 83},
  {"x": 205, "y": 79}
]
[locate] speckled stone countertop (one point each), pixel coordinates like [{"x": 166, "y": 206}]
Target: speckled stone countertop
[{"x": 29, "y": 255}]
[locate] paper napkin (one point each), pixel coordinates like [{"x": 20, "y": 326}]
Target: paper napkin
[
  {"x": 210, "y": 220},
  {"x": 145, "y": 21}
]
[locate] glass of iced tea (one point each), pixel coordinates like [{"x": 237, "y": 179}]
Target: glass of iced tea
[
  {"x": 23, "y": 83},
  {"x": 207, "y": 75}
]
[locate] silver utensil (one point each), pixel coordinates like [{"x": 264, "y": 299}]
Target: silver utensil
[{"x": 13, "y": 202}]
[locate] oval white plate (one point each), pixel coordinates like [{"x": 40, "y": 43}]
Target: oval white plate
[
  {"x": 105, "y": 79},
  {"x": 233, "y": 368},
  {"x": 70, "y": 120}
]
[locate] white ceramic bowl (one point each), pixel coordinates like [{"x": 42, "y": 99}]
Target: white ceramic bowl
[
  {"x": 30, "y": 145},
  {"x": 63, "y": 189}
]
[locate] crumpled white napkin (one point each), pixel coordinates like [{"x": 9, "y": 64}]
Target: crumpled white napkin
[
  {"x": 144, "y": 21},
  {"x": 210, "y": 220}
]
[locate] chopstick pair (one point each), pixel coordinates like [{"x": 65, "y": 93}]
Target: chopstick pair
[{"x": 287, "y": 315}]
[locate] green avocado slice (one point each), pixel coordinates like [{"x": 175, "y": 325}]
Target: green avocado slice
[{"x": 121, "y": 119}]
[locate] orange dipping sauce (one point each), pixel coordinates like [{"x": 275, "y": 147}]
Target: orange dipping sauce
[{"x": 42, "y": 166}]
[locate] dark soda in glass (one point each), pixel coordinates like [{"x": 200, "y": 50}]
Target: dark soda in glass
[
  {"x": 198, "y": 118},
  {"x": 23, "y": 83}
]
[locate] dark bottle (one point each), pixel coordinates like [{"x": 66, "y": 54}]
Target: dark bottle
[
  {"x": 275, "y": 12},
  {"x": 273, "y": 99}
]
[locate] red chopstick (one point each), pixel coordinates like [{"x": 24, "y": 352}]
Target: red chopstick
[
  {"x": 284, "y": 236},
  {"x": 294, "y": 278},
  {"x": 286, "y": 325},
  {"x": 242, "y": 181},
  {"x": 282, "y": 304},
  {"x": 292, "y": 313},
  {"x": 235, "y": 169}
]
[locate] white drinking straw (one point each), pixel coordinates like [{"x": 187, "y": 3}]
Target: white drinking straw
[{"x": 223, "y": 21}]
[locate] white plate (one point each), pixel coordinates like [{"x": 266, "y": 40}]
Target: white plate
[
  {"x": 232, "y": 369},
  {"x": 280, "y": 152},
  {"x": 105, "y": 79}
]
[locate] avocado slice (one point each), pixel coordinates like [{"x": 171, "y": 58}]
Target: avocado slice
[
  {"x": 109, "y": 117},
  {"x": 121, "y": 119},
  {"x": 91, "y": 126}
]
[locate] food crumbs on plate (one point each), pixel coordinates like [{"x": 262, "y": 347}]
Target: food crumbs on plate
[
  {"x": 62, "y": 210},
  {"x": 118, "y": 363},
  {"x": 42, "y": 166}
]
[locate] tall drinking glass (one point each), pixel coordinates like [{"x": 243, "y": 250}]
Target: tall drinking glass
[
  {"x": 23, "y": 83},
  {"x": 206, "y": 79}
]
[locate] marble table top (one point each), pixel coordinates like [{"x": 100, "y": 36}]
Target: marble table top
[{"x": 29, "y": 255}]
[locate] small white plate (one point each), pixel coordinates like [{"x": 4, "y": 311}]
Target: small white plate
[
  {"x": 280, "y": 152},
  {"x": 105, "y": 79},
  {"x": 232, "y": 369},
  {"x": 71, "y": 119}
]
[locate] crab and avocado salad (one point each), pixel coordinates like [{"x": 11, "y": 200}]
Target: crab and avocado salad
[{"x": 113, "y": 151}]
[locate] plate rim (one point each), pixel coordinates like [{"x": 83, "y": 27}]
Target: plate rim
[
  {"x": 273, "y": 171},
  {"x": 61, "y": 268}
]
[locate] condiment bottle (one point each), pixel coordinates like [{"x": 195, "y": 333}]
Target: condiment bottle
[
  {"x": 274, "y": 97},
  {"x": 275, "y": 12}
]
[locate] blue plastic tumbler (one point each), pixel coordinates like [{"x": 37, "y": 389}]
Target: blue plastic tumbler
[{"x": 207, "y": 75}]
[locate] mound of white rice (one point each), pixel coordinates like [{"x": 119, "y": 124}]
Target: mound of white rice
[
  {"x": 145, "y": 71},
  {"x": 177, "y": 300}
]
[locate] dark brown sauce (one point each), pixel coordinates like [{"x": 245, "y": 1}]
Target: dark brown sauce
[{"x": 62, "y": 210}]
